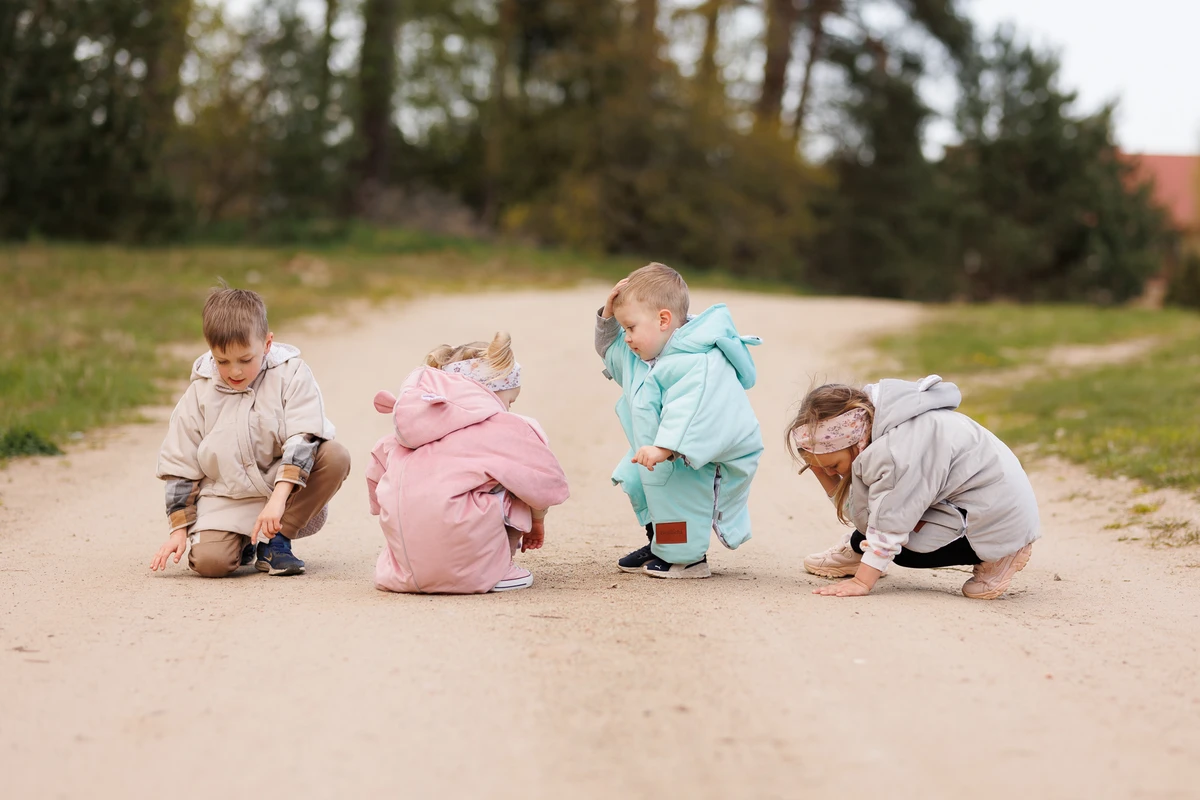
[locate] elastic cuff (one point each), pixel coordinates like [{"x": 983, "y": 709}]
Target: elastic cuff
[
  {"x": 290, "y": 473},
  {"x": 183, "y": 518},
  {"x": 539, "y": 513},
  {"x": 880, "y": 563}
]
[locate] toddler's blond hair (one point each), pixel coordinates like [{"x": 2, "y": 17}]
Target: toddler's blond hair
[
  {"x": 659, "y": 286},
  {"x": 497, "y": 356}
]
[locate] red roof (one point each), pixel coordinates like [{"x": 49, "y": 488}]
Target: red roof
[{"x": 1176, "y": 184}]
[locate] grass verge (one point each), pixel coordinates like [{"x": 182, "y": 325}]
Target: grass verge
[
  {"x": 82, "y": 328},
  {"x": 1136, "y": 418}
]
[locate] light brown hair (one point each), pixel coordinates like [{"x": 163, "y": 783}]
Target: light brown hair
[
  {"x": 822, "y": 403},
  {"x": 234, "y": 317},
  {"x": 497, "y": 356},
  {"x": 659, "y": 286}
]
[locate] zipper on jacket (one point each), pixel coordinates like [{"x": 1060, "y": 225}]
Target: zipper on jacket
[{"x": 716, "y": 508}]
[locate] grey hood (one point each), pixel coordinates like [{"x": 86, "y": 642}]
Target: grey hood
[{"x": 899, "y": 401}]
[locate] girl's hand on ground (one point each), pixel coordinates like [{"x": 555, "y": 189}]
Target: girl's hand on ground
[
  {"x": 650, "y": 455},
  {"x": 536, "y": 536},
  {"x": 850, "y": 588},
  {"x": 176, "y": 544},
  {"x": 612, "y": 298}
]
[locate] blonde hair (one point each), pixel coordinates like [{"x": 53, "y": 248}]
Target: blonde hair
[
  {"x": 234, "y": 316},
  {"x": 822, "y": 403},
  {"x": 497, "y": 356},
  {"x": 659, "y": 286}
]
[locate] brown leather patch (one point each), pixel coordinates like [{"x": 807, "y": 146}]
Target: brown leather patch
[{"x": 670, "y": 532}]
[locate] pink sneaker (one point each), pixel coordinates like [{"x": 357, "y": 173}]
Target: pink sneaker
[
  {"x": 991, "y": 578},
  {"x": 839, "y": 561},
  {"x": 515, "y": 578}
]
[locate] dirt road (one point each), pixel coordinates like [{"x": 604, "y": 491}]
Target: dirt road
[{"x": 114, "y": 683}]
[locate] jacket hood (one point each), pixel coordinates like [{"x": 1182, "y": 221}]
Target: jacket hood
[
  {"x": 714, "y": 328},
  {"x": 433, "y": 404},
  {"x": 899, "y": 401},
  {"x": 206, "y": 366}
]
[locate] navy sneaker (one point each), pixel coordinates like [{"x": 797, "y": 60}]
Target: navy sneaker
[
  {"x": 275, "y": 557},
  {"x": 657, "y": 568},
  {"x": 248, "y": 556},
  {"x": 635, "y": 560}
]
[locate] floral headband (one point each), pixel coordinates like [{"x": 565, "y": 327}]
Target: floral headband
[
  {"x": 477, "y": 370},
  {"x": 834, "y": 434}
]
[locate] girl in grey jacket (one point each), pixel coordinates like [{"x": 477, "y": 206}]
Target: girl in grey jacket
[{"x": 924, "y": 486}]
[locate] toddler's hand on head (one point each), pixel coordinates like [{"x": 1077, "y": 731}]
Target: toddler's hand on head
[
  {"x": 612, "y": 298},
  {"x": 650, "y": 455}
]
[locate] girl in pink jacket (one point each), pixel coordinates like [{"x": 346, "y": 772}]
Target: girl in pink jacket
[{"x": 463, "y": 482}]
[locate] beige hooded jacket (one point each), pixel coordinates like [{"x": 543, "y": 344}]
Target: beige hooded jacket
[{"x": 226, "y": 448}]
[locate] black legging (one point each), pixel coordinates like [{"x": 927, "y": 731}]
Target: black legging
[{"x": 956, "y": 554}]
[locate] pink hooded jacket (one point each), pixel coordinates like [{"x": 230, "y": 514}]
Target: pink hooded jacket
[{"x": 457, "y": 471}]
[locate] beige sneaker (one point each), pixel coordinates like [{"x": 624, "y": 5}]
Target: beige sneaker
[
  {"x": 991, "y": 578},
  {"x": 839, "y": 561}
]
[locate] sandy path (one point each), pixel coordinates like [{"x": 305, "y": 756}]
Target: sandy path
[{"x": 118, "y": 684}]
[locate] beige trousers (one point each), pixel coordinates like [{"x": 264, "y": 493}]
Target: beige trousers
[{"x": 215, "y": 554}]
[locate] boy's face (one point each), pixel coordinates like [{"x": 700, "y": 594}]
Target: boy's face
[
  {"x": 238, "y": 365},
  {"x": 646, "y": 329}
]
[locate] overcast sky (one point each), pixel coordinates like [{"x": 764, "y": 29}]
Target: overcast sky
[{"x": 1143, "y": 54}]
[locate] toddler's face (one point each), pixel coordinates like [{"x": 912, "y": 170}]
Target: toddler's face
[
  {"x": 646, "y": 329},
  {"x": 238, "y": 365}
]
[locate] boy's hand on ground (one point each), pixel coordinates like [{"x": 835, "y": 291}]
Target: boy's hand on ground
[
  {"x": 650, "y": 455},
  {"x": 850, "y": 588},
  {"x": 536, "y": 536},
  {"x": 176, "y": 544},
  {"x": 612, "y": 298}
]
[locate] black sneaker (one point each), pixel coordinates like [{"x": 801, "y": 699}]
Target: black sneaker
[
  {"x": 657, "y": 568},
  {"x": 248, "y": 555},
  {"x": 276, "y": 558},
  {"x": 635, "y": 560}
]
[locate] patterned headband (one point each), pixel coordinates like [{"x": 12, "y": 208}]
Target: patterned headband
[
  {"x": 834, "y": 434},
  {"x": 477, "y": 370}
]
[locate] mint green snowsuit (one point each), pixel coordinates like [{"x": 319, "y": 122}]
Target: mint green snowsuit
[{"x": 690, "y": 400}]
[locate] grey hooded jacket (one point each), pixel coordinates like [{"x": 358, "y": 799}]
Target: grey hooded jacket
[{"x": 923, "y": 455}]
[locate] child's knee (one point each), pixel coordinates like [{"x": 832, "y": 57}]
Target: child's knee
[
  {"x": 334, "y": 457},
  {"x": 215, "y": 559}
]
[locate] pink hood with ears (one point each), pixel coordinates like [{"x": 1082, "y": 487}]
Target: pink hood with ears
[{"x": 458, "y": 470}]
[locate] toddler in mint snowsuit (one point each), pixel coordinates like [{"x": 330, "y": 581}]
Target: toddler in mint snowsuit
[{"x": 694, "y": 440}]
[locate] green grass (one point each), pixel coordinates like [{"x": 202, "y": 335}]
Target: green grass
[
  {"x": 1137, "y": 418},
  {"x": 966, "y": 340},
  {"x": 84, "y": 329}
]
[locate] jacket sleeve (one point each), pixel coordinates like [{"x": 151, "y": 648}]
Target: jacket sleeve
[
  {"x": 305, "y": 427},
  {"x": 700, "y": 420},
  {"x": 618, "y": 358},
  {"x": 898, "y": 493},
  {"x": 375, "y": 470},
  {"x": 607, "y": 332},
  {"x": 179, "y": 460},
  {"x": 520, "y": 460}
]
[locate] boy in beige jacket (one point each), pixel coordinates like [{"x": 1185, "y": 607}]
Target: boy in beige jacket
[{"x": 249, "y": 458}]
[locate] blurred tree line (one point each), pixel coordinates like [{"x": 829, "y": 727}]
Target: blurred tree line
[{"x": 780, "y": 139}]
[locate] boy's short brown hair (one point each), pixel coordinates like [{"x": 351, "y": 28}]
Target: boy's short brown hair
[
  {"x": 234, "y": 316},
  {"x": 657, "y": 285}
]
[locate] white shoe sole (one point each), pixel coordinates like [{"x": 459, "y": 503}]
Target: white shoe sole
[
  {"x": 513, "y": 583},
  {"x": 701, "y": 571},
  {"x": 832, "y": 572}
]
